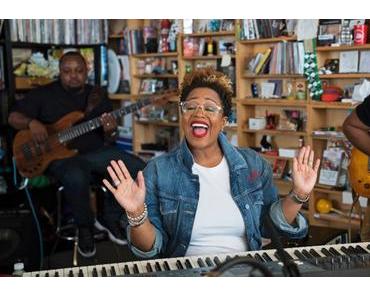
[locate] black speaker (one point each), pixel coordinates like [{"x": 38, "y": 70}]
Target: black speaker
[{"x": 18, "y": 240}]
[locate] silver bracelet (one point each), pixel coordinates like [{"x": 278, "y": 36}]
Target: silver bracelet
[
  {"x": 297, "y": 199},
  {"x": 140, "y": 219}
]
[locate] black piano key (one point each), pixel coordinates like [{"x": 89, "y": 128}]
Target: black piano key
[
  {"x": 37, "y": 275},
  {"x": 70, "y": 273},
  {"x": 228, "y": 258},
  {"x": 368, "y": 246},
  {"x": 217, "y": 260},
  {"x": 345, "y": 250},
  {"x": 314, "y": 253},
  {"x": 179, "y": 265},
  {"x": 80, "y": 273},
  {"x": 352, "y": 250},
  {"x": 46, "y": 274},
  {"x": 266, "y": 257},
  {"x": 334, "y": 251},
  {"x": 201, "y": 262},
  {"x": 56, "y": 274},
  {"x": 113, "y": 271},
  {"x": 287, "y": 256},
  {"x": 299, "y": 255},
  {"x": 104, "y": 272},
  {"x": 149, "y": 267},
  {"x": 209, "y": 262},
  {"x": 188, "y": 264},
  {"x": 95, "y": 272},
  {"x": 136, "y": 269},
  {"x": 361, "y": 250},
  {"x": 249, "y": 256},
  {"x": 157, "y": 266},
  {"x": 166, "y": 266},
  {"x": 258, "y": 257},
  {"x": 326, "y": 252},
  {"x": 307, "y": 254},
  {"x": 126, "y": 270}
]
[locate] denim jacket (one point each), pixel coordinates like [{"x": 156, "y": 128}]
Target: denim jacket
[{"x": 172, "y": 193}]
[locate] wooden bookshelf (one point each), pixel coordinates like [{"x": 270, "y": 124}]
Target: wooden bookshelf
[
  {"x": 143, "y": 76},
  {"x": 268, "y": 40},
  {"x": 211, "y": 34},
  {"x": 343, "y": 48},
  {"x": 275, "y": 132},
  {"x": 155, "y": 55},
  {"x": 273, "y": 102},
  {"x": 213, "y": 57},
  {"x": 345, "y": 76},
  {"x": 270, "y": 76},
  {"x": 332, "y": 105}
]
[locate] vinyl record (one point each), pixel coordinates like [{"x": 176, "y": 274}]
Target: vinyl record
[{"x": 114, "y": 72}]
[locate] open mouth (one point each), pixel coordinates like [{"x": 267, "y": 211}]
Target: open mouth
[{"x": 199, "y": 129}]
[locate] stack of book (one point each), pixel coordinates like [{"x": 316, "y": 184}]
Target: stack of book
[
  {"x": 261, "y": 28},
  {"x": 134, "y": 40},
  {"x": 282, "y": 58},
  {"x": 59, "y": 31}
]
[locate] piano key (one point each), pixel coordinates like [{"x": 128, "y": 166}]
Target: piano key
[
  {"x": 307, "y": 254},
  {"x": 157, "y": 266},
  {"x": 314, "y": 253},
  {"x": 266, "y": 257},
  {"x": 361, "y": 250},
  {"x": 368, "y": 246},
  {"x": 217, "y": 260},
  {"x": 166, "y": 266},
  {"x": 112, "y": 271},
  {"x": 149, "y": 267},
  {"x": 126, "y": 269},
  {"x": 209, "y": 262},
  {"x": 56, "y": 273},
  {"x": 299, "y": 255},
  {"x": 80, "y": 273},
  {"x": 179, "y": 265},
  {"x": 188, "y": 264},
  {"x": 95, "y": 272},
  {"x": 334, "y": 251},
  {"x": 104, "y": 272},
  {"x": 352, "y": 250},
  {"x": 46, "y": 274},
  {"x": 70, "y": 273},
  {"x": 258, "y": 257},
  {"x": 345, "y": 251},
  {"x": 326, "y": 252},
  {"x": 201, "y": 262}
]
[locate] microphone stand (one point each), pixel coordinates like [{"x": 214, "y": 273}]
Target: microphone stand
[{"x": 289, "y": 267}]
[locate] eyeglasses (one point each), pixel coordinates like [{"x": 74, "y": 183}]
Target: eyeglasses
[{"x": 209, "y": 109}]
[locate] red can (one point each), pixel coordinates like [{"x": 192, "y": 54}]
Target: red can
[{"x": 360, "y": 34}]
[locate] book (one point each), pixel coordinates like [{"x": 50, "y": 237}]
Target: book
[
  {"x": 266, "y": 54},
  {"x": 364, "y": 65},
  {"x": 331, "y": 166},
  {"x": 348, "y": 62}
]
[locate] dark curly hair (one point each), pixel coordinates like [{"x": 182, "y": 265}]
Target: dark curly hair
[{"x": 209, "y": 78}]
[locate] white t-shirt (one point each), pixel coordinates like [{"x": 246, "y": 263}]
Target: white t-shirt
[{"x": 218, "y": 226}]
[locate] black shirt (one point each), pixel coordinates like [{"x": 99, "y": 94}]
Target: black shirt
[
  {"x": 50, "y": 103},
  {"x": 363, "y": 111}
]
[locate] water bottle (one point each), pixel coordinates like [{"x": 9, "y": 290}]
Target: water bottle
[{"x": 18, "y": 269}]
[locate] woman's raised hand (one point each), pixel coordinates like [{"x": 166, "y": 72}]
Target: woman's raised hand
[{"x": 130, "y": 194}]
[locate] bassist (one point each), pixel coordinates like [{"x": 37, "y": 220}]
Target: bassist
[{"x": 47, "y": 105}]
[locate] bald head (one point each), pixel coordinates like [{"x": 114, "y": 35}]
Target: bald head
[{"x": 73, "y": 71}]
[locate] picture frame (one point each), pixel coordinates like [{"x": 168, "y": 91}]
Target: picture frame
[{"x": 278, "y": 168}]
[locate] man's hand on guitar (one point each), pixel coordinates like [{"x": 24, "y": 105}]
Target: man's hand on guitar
[
  {"x": 109, "y": 123},
  {"x": 129, "y": 194},
  {"x": 38, "y": 130}
]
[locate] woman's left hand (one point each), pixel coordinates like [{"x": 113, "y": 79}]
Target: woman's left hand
[{"x": 304, "y": 171}]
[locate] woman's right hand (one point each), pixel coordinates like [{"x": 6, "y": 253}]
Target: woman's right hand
[{"x": 129, "y": 194}]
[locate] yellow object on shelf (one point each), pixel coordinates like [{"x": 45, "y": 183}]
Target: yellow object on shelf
[{"x": 324, "y": 205}]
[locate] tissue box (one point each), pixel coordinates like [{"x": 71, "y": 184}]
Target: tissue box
[
  {"x": 257, "y": 123},
  {"x": 288, "y": 152}
]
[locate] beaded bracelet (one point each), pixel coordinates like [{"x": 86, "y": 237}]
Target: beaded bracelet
[
  {"x": 297, "y": 199},
  {"x": 140, "y": 219}
]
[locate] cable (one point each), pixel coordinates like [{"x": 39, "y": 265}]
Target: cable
[
  {"x": 24, "y": 186},
  {"x": 225, "y": 266}
]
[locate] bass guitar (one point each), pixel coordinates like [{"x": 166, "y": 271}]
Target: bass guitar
[{"x": 32, "y": 158}]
